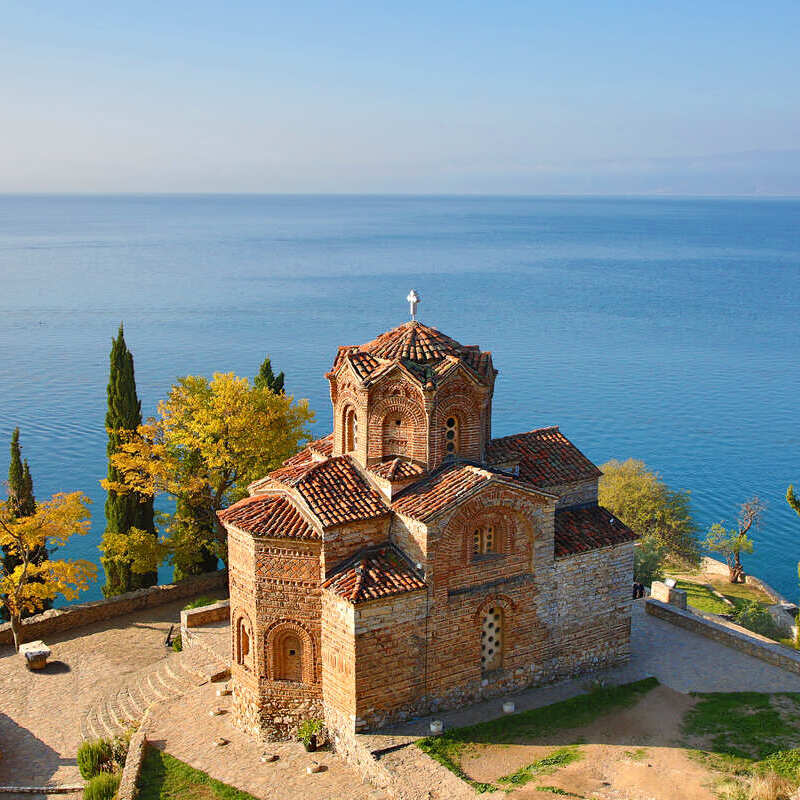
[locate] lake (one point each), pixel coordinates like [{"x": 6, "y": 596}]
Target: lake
[{"x": 663, "y": 329}]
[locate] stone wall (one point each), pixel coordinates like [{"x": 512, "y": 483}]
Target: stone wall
[
  {"x": 728, "y": 634},
  {"x": 593, "y": 608},
  {"x": 60, "y": 620}
]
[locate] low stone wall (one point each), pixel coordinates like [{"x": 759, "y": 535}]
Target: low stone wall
[
  {"x": 137, "y": 749},
  {"x": 59, "y": 620},
  {"x": 728, "y": 634},
  {"x": 214, "y": 612}
]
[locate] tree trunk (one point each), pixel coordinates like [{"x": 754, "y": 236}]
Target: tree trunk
[
  {"x": 736, "y": 570},
  {"x": 16, "y": 630}
]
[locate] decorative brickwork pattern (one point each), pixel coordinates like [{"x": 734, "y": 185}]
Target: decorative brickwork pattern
[{"x": 408, "y": 562}]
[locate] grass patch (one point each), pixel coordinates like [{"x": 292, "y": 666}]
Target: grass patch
[
  {"x": 164, "y": 777},
  {"x": 702, "y": 598},
  {"x": 448, "y": 748},
  {"x": 544, "y": 766},
  {"x": 556, "y": 790},
  {"x": 740, "y": 593},
  {"x": 637, "y": 755},
  {"x": 746, "y": 724}
]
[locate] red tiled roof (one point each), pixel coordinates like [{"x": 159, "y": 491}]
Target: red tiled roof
[
  {"x": 413, "y": 341},
  {"x": 268, "y": 515},
  {"x": 425, "y": 499},
  {"x": 581, "y": 529},
  {"x": 334, "y": 490},
  {"x": 417, "y": 345},
  {"x": 397, "y": 469},
  {"x": 374, "y": 573},
  {"x": 323, "y": 446},
  {"x": 545, "y": 457}
]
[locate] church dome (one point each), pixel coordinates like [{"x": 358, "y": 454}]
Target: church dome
[{"x": 416, "y": 345}]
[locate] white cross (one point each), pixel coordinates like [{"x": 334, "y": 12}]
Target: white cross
[{"x": 413, "y": 299}]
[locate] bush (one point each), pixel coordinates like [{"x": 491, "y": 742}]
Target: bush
[
  {"x": 199, "y": 602},
  {"x": 102, "y": 787},
  {"x": 309, "y": 728},
  {"x": 177, "y": 643},
  {"x": 95, "y": 757},
  {"x": 753, "y": 616},
  {"x": 648, "y": 560}
]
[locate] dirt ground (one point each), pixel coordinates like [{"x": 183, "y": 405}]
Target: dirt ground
[{"x": 633, "y": 754}]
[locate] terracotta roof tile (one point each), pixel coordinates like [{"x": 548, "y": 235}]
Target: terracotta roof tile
[
  {"x": 581, "y": 529},
  {"x": 427, "y": 498},
  {"x": 397, "y": 469},
  {"x": 374, "y": 573},
  {"x": 417, "y": 346},
  {"x": 323, "y": 446},
  {"x": 268, "y": 515},
  {"x": 545, "y": 457},
  {"x": 334, "y": 490}
]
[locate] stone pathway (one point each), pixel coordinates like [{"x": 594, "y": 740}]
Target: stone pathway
[
  {"x": 41, "y": 712},
  {"x": 186, "y": 729}
]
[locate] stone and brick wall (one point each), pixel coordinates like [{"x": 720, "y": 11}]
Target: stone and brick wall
[
  {"x": 593, "y": 608},
  {"x": 61, "y": 620},
  {"x": 345, "y": 540}
]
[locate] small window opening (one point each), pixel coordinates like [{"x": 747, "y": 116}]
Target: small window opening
[
  {"x": 492, "y": 640},
  {"x": 451, "y": 435},
  {"x": 483, "y": 540}
]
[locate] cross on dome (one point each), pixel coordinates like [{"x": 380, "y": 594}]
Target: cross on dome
[{"x": 413, "y": 300}]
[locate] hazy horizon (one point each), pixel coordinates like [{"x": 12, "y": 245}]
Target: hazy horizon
[{"x": 451, "y": 99}]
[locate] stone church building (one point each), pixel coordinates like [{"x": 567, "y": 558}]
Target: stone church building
[{"x": 409, "y": 562}]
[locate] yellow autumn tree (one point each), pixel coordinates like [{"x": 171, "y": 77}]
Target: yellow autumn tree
[
  {"x": 207, "y": 442},
  {"x": 25, "y": 588}
]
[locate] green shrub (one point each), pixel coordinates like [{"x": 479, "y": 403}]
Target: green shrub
[
  {"x": 753, "y": 616},
  {"x": 95, "y": 757},
  {"x": 199, "y": 602},
  {"x": 177, "y": 643},
  {"x": 309, "y": 728},
  {"x": 648, "y": 560},
  {"x": 102, "y": 787}
]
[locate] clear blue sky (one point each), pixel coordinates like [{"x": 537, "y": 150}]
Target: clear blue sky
[{"x": 602, "y": 97}]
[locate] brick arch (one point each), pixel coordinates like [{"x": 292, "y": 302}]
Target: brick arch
[
  {"x": 415, "y": 427},
  {"x": 452, "y": 552},
  {"x": 239, "y": 616},
  {"x": 459, "y": 402},
  {"x": 344, "y": 401},
  {"x": 495, "y": 599},
  {"x": 276, "y": 636}
]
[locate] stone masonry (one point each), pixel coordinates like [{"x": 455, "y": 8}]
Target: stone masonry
[{"x": 409, "y": 562}]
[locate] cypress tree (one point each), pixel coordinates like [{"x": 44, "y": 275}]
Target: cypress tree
[
  {"x": 22, "y": 502},
  {"x": 266, "y": 379},
  {"x": 131, "y": 510}
]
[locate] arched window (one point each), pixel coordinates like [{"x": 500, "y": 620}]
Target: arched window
[
  {"x": 397, "y": 431},
  {"x": 451, "y": 436},
  {"x": 492, "y": 639},
  {"x": 350, "y": 430},
  {"x": 288, "y": 657},
  {"x": 484, "y": 540},
  {"x": 243, "y": 642}
]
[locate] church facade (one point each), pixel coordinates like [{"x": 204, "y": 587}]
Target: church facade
[{"x": 409, "y": 562}]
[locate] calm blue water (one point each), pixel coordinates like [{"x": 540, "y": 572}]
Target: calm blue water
[{"x": 667, "y": 330}]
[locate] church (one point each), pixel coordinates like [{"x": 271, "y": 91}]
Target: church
[{"x": 409, "y": 562}]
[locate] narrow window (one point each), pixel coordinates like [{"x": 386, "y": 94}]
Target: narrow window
[
  {"x": 350, "y": 430},
  {"x": 244, "y": 643},
  {"x": 483, "y": 540},
  {"x": 492, "y": 640},
  {"x": 451, "y": 436}
]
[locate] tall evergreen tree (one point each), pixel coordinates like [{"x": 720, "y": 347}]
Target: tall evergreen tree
[
  {"x": 131, "y": 510},
  {"x": 266, "y": 379},
  {"x": 21, "y": 501}
]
